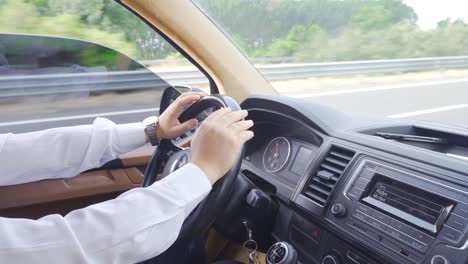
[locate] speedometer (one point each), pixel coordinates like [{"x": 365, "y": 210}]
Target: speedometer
[{"x": 276, "y": 154}]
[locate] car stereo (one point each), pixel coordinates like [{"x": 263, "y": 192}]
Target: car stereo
[
  {"x": 403, "y": 213},
  {"x": 409, "y": 204}
]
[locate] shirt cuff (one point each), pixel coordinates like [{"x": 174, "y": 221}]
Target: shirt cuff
[
  {"x": 191, "y": 184},
  {"x": 130, "y": 136}
]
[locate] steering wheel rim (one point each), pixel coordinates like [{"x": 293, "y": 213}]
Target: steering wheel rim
[{"x": 205, "y": 213}]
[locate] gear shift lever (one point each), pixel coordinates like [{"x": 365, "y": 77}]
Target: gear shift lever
[{"x": 281, "y": 253}]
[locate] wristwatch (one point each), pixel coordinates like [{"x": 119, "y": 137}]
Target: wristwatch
[{"x": 150, "y": 124}]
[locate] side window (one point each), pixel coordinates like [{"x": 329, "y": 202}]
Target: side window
[{"x": 67, "y": 64}]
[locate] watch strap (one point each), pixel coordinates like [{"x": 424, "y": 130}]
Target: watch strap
[{"x": 150, "y": 131}]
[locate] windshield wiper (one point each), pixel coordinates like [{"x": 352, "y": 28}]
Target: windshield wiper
[{"x": 404, "y": 137}]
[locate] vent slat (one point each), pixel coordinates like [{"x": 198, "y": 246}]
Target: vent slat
[
  {"x": 317, "y": 190},
  {"x": 337, "y": 162},
  {"x": 315, "y": 197},
  {"x": 343, "y": 156},
  {"x": 331, "y": 169},
  {"x": 329, "y": 185}
]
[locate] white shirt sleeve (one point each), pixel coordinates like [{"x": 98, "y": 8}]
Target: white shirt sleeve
[
  {"x": 136, "y": 226},
  {"x": 65, "y": 152}
]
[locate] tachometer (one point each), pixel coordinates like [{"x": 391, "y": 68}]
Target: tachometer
[{"x": 276, "y": 154}]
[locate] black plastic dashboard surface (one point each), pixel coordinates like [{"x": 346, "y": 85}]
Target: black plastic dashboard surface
[{"x": 319, "y": 210}]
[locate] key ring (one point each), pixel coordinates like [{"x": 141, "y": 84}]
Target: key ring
[{"x": 251, "y": 245}]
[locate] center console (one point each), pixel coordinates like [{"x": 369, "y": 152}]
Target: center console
[{"x": 408, "y": 215}]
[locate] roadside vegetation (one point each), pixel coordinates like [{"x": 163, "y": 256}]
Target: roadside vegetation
[{"x": 306, "y": 30}]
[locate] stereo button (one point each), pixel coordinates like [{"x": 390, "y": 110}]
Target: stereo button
[
  {"x": 457, "y": 222},
  {"x": 420, "y": 236},
  {"x": 365, "y": 209},
  {"x": 381, "y": 217},
  {"x": 355, "y": 193},
  {"x": 450, "y": 235},
  {"x": 367, "y": 174},
  {"x": 361, "y": 216},
  {"x": 416, "y": 245},
  {"x": 358, "y": 227},
  {"x": 338, "y": 210},
  {"x": 377, "y": 224},
  {"x": 439, "y": 260},
  {"x": 392, "y": 232},
  {"x": 396, "y": 224},
  {"x": 462, "y": 210},
  {"x": 361, "y": 183}
]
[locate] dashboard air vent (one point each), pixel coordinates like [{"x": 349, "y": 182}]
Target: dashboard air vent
[{"x": 324, "y": 179}]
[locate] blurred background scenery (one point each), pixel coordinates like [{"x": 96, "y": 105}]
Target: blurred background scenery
[
  {"x": 303, "y": 30},
  {"x": 398, "y": 58}
]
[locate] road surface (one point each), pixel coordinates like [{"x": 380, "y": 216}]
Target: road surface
[{"x": 444, "y": 101}]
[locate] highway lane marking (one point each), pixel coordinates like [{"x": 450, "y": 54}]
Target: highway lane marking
[
  {"x": 378, "y": 88},
  {"x": 429, "y": 111},
  {"x": 75, "y": 117}
]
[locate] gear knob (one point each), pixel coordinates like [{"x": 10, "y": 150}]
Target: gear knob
[{"x": 281, "y": 253}]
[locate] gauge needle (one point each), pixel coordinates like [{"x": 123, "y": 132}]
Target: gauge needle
[{"x": 276, "y": 150}]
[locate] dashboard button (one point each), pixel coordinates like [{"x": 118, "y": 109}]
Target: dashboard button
[
  {"x": 420, "y": 236},
  {"x": 438, "y": 259},
  {"x": 458, "y": 223},
  {"x": 462, "y": 210},
  {"x": 338, "y": 210},
  {"x": 365, "y": 209},
  {"x": 361, "y": 183},
  {"x": 377, "y": 224},
  {"x": 395, "y": 234},
  {"x": 417, "y": 245},
  {"x": 450, "y": 235},
  {"x": 381, "y": 217},
  {"x": 306, "y": 227},
  {"x": 367, "y": 174},
  {"x": 392, "y": 246},
  {"x": 396, "y": 224},
  {"x": 355, "y": 193},
  {"x": 360, "y": 216},
  {"x": 358, "y": 226}
]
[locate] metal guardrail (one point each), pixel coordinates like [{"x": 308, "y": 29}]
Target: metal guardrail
[
  {"x": 182, "y": 61},
  {"x": 29, "y": 85}
]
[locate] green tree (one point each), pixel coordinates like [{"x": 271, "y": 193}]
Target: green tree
[{"x": 23, "y": 17}]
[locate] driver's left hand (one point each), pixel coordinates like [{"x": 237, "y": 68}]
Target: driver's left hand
[{"x": 169, "y": 126}]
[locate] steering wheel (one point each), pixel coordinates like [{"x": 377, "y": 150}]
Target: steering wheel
[{"x": 167, "y": 157}]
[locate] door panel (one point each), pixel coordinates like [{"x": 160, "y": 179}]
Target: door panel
[{"x": 37, "y": 199}]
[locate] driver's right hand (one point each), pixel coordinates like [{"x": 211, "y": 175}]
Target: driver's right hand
[{"x": 217, "y": 143}]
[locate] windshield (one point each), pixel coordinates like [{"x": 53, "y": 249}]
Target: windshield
[{"x": 398, "y": 58}]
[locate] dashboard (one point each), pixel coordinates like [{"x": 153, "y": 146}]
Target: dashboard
[{"x": 347, "y": 196}]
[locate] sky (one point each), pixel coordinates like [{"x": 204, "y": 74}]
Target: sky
[{"x": 432, "y": 11}]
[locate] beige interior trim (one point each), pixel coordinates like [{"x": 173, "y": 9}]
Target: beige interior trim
[
  {"x": 46, "y": 191},
  {"x": 187, "y": 26}
]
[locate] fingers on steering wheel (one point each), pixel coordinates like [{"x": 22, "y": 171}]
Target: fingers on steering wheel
[
  {"x": 246, "y": 135},
  {"x": 234, "y": 117},
  {"x": 183, "y": 101},
  {"x": 187, "y": 125},
  {"x": 218, "y": 113},
  {"x": 242, "y": 125}
]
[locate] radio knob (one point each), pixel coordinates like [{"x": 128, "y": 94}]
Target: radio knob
[
  {"x": 330, "y": 259},
  {"x": 338, "y": 210},
  {"x": 438, "y": 259}
]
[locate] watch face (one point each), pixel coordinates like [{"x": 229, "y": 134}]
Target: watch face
[{"x": 150, "y": 120}]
